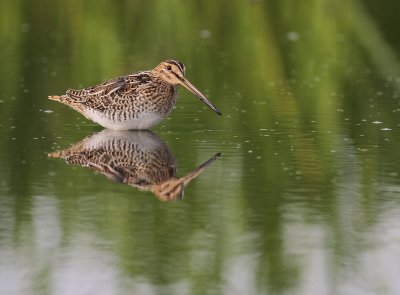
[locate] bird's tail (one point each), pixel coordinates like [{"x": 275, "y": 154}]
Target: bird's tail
[
  {"x": 57, "y": 154},
  {"x": 55, "y": 97}
]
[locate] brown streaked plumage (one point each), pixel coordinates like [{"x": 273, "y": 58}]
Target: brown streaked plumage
[
  {"x": 137, "y": 158},
  {"x": 133, "y": 102}
]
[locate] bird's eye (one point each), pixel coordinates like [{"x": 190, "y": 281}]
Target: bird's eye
[{"x": 169, "y": 68}]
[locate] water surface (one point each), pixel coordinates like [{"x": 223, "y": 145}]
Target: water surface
[{"x": 304, "y": 198}]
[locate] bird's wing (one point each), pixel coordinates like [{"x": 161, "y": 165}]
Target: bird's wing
[
  {"x": 104, "y": 89},
  {"x": 110, "y": 89}
]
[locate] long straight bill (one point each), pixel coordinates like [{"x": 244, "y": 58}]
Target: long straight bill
[{"x": 200, "y": 95}]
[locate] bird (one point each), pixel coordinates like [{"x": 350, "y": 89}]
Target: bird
[
  {"x": 133, "y": 102},
  {"x": 137, "y": 158}
]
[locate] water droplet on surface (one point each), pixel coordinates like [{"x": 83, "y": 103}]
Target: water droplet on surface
[
  {"x": 292, "y": 36},
  {"x": 25, "y": 27},
  {"x": 340, "y": 37},
  {"x": 205, "y": 34}
]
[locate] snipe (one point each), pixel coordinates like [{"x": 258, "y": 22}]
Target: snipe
[
  {"x": 137, "y": 158},
  {"x": 133, "y": 102}
]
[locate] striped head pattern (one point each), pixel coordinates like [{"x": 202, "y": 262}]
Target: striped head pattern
[{"x": 173, "y": 72}]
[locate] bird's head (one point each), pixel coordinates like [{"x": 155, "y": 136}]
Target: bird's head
[{"x": 173, "y": 72}]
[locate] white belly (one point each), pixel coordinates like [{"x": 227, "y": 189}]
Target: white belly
[{"x": 143, "y": 122}]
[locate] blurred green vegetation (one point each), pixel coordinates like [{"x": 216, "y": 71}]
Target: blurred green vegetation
[{"x": 299, "y": 85}]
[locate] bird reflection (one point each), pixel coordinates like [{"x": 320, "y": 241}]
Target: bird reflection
[{"x": 138, "y": 158}]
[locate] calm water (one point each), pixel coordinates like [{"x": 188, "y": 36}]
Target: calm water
[{"x": 304, "y": 199}]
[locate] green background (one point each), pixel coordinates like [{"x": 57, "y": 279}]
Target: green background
[{"x": 305, "y": 198}]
